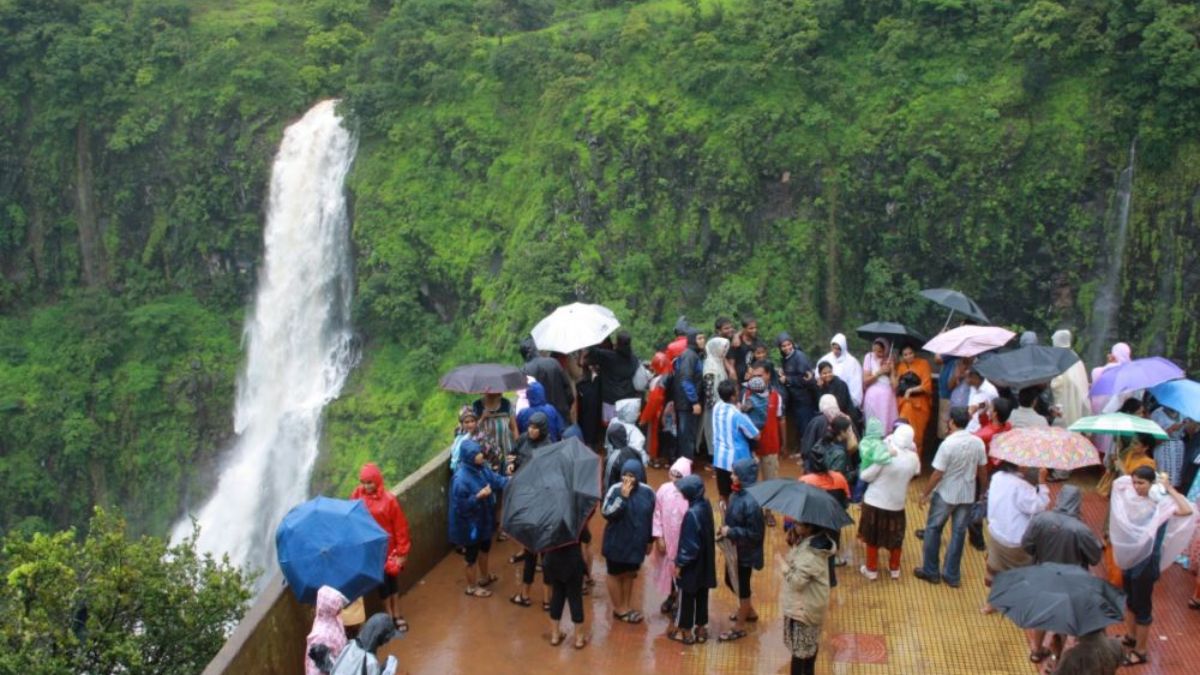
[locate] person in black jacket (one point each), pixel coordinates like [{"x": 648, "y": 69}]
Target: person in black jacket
[
  {"x": 686, "y": 390},
  {"x": 828, "y": 383},
  {"x": 537, "y": 436},
  {"x": 549, "y": 372},
  {"x": 796, "y": 378},
  {"x": 629, "y": 509},
  {"x": 745, "y": 527},
  {"x": 563, "y": 569},
  {"x": 616, "y": 367},
  {"x": 695, "y": 564}
]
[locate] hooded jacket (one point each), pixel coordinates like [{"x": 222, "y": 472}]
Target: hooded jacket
[
  {"x": 846, "y": 367},
  {"x": 619, "y": 452},
  {"x": 617, "y": 368},
  {"x": 552, "y": 377},
  {"x": 801, "y": 385},
  {"x": 1060, "y": 535},
  {"x": 526, "y": 446},
  {"x": 472, "y": 520},
  {"x": 670, "y": 506},
  {"x": 687, "y": 385},
  {"x": 327, "y": 628},
  {"x": 871, "y": 449},
  {"x": 536, "y": 395},
  {"x": 385, "y": 509},
  {"x": 804, "y": 594},
  {"x": 697, "y": 555},
  {"x": 628, "y": 530},
  {"x": 744, "y": 517}
]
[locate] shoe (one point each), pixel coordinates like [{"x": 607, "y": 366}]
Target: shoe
[
  {"x": 868, "y": 573},
  {"x": 895, "y": 574},
  {"x": 952, "y": 584},
  {"x": 920, "y": 574}
]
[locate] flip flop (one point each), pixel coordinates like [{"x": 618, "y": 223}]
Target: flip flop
[
  {"x": 701, "y": 634},
  {"x": 731, "y": 635},
  {"x": 750, "y": 619},
  {"x": 476, "y": 592},
  {"x": 632, "y": 616},
  {"x": 1039, "y": 655},
  {"x": 1193, "y": 603},
  {"x": 557, "y": 639},
  {"x": 580, "y": 642},
  {"x": 521, "y": 600},
  {"x": 401, "y": 624},
  {"x": 492, "y": 578},
  {"x": 1128, "y": 641},
  {"x": 680, "y": 636},
  {"x": 1133, "y": 658}
]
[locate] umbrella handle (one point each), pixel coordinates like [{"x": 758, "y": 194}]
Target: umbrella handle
[{"x": 947, "y": 324}]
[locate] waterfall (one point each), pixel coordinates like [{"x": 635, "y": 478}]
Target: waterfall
[
  {"x": 298, "y": 346},
  {"x": 1108, "y": 299}
]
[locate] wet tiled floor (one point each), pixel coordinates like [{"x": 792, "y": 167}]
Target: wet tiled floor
[{"x": 885, "y": 626}]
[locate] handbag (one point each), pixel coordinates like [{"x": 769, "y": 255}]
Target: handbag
[{"x": 909, "y": 380}]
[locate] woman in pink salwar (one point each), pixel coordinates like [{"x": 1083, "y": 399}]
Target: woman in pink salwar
[
  {"x": 669, "y": 508},
  {"x": 879, "y": 399}
]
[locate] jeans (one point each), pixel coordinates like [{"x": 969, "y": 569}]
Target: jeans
[
  {"x": 687, "y": 425},
  {"x": 939, "y": 513}
]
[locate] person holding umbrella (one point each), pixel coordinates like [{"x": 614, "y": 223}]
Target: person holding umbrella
[
  {"x": 472, "y": 518},
  {"x": 386, "y": 511},
  {"x": 804, "y": 594},
  {"x": 913, "y": 381},
  {"x": 879, "y": 398},
  {"x": 629, "y": 510},
  {"x": 695, "y": 564},
  {"x": 745, "y": 526}
]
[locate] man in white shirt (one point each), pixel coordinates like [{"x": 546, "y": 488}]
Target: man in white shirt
[
  {"x": 982, "y": 393},
  {"x": 1025, "y": 417},
  {"x": 1013, "y": 500},
  {"x": 950, "y": 492}
]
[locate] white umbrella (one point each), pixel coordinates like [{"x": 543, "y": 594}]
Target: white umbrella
[{"x": 573, "y": 327}]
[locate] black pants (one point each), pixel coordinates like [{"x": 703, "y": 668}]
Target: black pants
[
  {"x": 693, "y": 609},
  {"x": 571, "y": 593},
  {"x": 804, "y": 666},
  {"x": 530, "y": 567}
]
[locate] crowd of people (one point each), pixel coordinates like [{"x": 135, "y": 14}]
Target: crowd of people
[{"x": 726, "y": 402}]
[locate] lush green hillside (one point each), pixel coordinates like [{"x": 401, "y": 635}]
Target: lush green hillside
[{"x": 813, "y": 162}]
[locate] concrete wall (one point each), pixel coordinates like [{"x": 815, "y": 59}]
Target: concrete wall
[{"x": 270, "y": 639}]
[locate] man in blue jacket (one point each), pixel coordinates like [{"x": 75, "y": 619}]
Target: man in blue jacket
[{"x": 686, "y": 389}]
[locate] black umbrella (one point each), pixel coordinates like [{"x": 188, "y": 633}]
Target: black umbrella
[
  {"x": 483, "y": 378},
  {"x": 955, "y": 302},
  {"x": 802, "y": 502},
  {"x": 547, "y": 503},
  {"x": 1025, "y": 366},
  {"x": 1065, "y": 599},
  {"x": 896, "y": 333}
]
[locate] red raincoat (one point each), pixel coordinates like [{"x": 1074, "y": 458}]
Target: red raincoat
[{"x": 385, "y": 509}]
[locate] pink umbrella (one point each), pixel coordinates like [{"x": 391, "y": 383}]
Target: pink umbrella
[
  {"x": 969, "y": 340},
  {"x": 1049, "y": 447}
]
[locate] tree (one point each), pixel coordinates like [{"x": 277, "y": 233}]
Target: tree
[{"x": 111, "y": 604}]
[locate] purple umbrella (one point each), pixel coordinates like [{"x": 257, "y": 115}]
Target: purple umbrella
[{"x": 1134, "y": 375}]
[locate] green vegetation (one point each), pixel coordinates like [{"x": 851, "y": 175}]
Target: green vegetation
[
  {"x": 111, "y": 604},
  {"x": 813, "y": 162}
]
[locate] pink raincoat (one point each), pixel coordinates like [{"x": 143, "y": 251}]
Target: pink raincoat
[
  {"x": 327, "y": 628},
  {"x": 669, "y": 509}
]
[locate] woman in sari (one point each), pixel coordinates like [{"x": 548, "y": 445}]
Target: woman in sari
[
  {"x": 879, "y": 399},
  {"x": 915, "y": 402},
  {"x": 1150, "y": 523}
]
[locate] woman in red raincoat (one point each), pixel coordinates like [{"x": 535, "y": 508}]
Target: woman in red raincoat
[
  {"x": 652, "y": 412},
  {"x": 387, "y": 512}
]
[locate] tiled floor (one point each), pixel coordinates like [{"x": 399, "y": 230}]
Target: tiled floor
[{"x": 885, "y": 626}]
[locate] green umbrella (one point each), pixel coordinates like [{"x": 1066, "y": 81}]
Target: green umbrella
[{"x": 1118, "y": 424}]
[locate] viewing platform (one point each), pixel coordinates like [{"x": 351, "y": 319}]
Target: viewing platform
[{"x": 884, "y": 626}]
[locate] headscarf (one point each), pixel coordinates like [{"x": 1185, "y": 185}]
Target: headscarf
[
  {"x": 1133, "y": 526},
  {"x": 846, "y": 367},
  {"x": 1028, "y": 338},
  {"x": 902, "y": 439},
  {"x": 682, "y": 467},
  {"x": 1061, "y": 339},
  {"x": 714, "y": 363},
  {"x": 871, "y": 448},
  {"x": 828, "y": 406},
  {"x": 1122, "y": 354},
  {"x": 1070, "y": 388},
  {"x": 327, "y": 628}
]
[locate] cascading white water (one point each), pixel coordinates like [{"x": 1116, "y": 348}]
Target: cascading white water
[
  {"x": 1107, "y": 304},
  {"x": 298, "y": 345}
]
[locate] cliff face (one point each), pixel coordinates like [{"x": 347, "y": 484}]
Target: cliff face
[{"x": 812, "y": 162}]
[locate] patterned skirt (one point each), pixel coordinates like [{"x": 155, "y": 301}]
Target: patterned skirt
[
  {"x": 882, "y": 528},
  {"x": 801, "y": 639}
]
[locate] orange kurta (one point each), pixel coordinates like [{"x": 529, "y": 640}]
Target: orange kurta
[{"x": 919, "y": 408}]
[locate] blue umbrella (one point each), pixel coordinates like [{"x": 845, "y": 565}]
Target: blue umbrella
[
  {"x": 1180, "y": 395},
  {"x": 331, "y": 542},
  {"x": 1136, "y": 374}
]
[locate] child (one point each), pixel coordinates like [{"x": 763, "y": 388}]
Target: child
[
  {"x": 767, "y": 415},
  {"x": 468, "y": 427}
]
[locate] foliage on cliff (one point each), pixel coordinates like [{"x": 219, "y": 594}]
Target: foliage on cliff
[{"x": 813, "y": 162}]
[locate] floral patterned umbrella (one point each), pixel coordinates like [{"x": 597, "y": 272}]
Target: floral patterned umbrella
[{"x": 1049, "y": 447}]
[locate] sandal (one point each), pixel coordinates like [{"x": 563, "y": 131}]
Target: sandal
[
  {"x": 1039, "y": 655},
  {"x": 681, "y": 636},
  {"x": 477, "y": 592},
  {"x": 701, "y": 634},
  {"x": 1193, "y": 603},
  {"x": 731, "y": 635},
  {"x": 401, "y": 624},
  {"x": 632, "y": 616},
  {"x": 558, "y": 638},
  {"x": 580, "y": 641},
  {"x": 1128, "y": 641},
  {"x": 1133, "y": 658},
  {"x": 491, "y": 579},
  {"x": 521, "y": 600},
  {"x": 749, "y": 619},
  {"x": 545, "y": 606}
]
